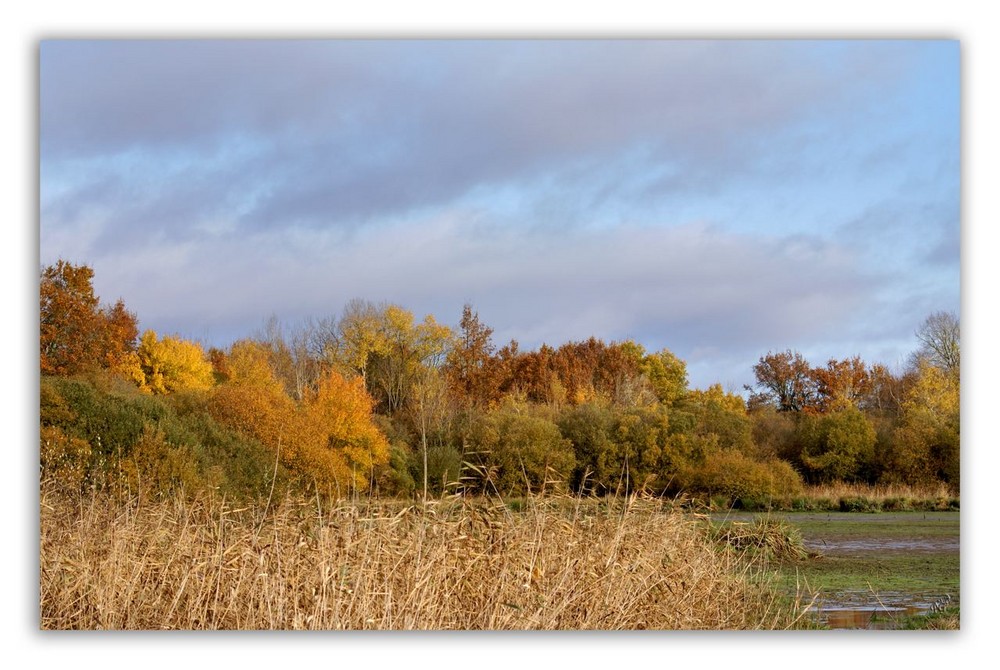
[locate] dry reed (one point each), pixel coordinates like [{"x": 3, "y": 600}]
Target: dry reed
[
  {"x": 880, "y": 492},
  {"x": 454, "y": 564}
]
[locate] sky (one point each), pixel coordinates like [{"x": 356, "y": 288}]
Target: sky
[{"x": 722, "y": 199}]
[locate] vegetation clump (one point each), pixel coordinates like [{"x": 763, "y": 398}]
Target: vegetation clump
[{"x": 201, "y": 563}]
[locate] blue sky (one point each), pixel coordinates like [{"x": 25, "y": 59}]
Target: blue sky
[{"x": 722, "y": 199}]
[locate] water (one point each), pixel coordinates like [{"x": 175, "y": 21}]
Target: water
[
  {"x": 845, "y": 537},
  {"x": 882, "y": 611}
]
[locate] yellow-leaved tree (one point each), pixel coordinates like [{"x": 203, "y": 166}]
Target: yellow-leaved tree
[
  {"x": 340, "y": 443},
  {"x": 925, "y": 445},
  {"x": 172, "y": 364},
  {"x": 329, "y": 439}
]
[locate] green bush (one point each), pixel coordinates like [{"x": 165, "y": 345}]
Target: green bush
[
  {"x": 515, "y": 453},
  {"x": 155, "y": 444},
  {"x": 859, "y": 504},
  {"x": 736, "y": 476}
]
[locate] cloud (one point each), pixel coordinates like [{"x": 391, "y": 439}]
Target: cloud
[
  {"x": 563, "y": 187},
  {"x": 692, "y": 288},
  {"x": 351, "y": 130}
]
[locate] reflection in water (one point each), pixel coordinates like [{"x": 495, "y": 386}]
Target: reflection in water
[
  {"x": 855, "y": 610},
  {"x": 872, "y": 618}
]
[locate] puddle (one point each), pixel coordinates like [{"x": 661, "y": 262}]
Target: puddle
[
  {"x": 836, "y": 546},
  {"x": 895, "y": 549},
  {"x": 854, "y": 610}
]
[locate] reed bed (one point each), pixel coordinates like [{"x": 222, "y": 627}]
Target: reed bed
[
  {"x": 852, "y": 497},
  {"x": 201, "y": 563}
]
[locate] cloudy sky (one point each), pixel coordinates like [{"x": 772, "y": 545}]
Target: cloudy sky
[{"x": 721, "y": 199}]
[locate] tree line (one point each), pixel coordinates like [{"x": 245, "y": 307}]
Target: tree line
[{"x": 376, "y": 399}]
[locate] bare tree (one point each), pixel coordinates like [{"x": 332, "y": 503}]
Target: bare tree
[{"x": 939, "y": 337}]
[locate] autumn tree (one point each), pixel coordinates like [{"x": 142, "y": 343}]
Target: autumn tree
[
  {"x": 360, "y": 336},
  {"x": 836, "y": 446},
  {"x": 292, "y": 356},
  {"x": 926, "y": 442},
  {"x": 841, "y": 384},
  {"x": 531, "y": 374},
  {"x": 472, "y": 370},
  {"x": 172, "y": 364},
  {"x": 329, "y": 439},
  {"x": 254, "y": 403},
  {"x": 407, "y": 347},
  {"x": 785, "y": 380},
  {"x": 339, "y": 442},
  {"x": 75, "y": 332},
  {"x": 431, "y": 412},
  {"x": 520, "y": 452},
  {"x": 623, "y": 377},
  {"x": 667, "y": 375}
]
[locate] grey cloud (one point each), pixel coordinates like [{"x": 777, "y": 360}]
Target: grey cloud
[
  {"x": 359, "y": 129},
  {"x": 697, "y": 290}
]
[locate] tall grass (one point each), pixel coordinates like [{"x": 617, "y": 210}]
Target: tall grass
[
  {"x": 202, "y": 563},
  {"x": 849, "y": 497}
]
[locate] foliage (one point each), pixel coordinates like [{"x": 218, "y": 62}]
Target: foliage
[
  {"x": 328, "y": 439},
  {"x": 114, "y": 438},
  {"x": 724, "y": 415},
  {"x": 667, "y": 375},
  {"x": 380, "y": 400},
  {"x": 65, "y": 460},
  {"x": 172, "y": 364},
  {"x": 339, "y": 441},
  {"x": 472, "y": 369},
  {"x": 925, "y": 444},
  {"x": 842, "y": 384},
  {"x": 522, "y": 453},
  {"x": 154, "y": 466},
  {"x": 732, "y": 474},
  {"x": 75, "y": 333},
  {"x": 785, "y": 380},
  {"x": 836, "y": 446}
]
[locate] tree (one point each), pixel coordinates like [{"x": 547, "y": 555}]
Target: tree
[
  {"x": 785, "y": 380},
  {"x": 292, "y": 357},
  {"x": 837, "y": 445},
  {"x": 842, "y": 384},
  {"x": 75, "y": 333},
  {"x": 340, "y": 444},
  {"x": 471, "y": 368},
  {"x": 406, "y": 348},
  {"x": 939, "y": 337},
  {"x": 173, "y": 364},
  {"x": 329, "y": 439},
  {"x": 667, "y": 374},
  {"x": 430, "y": 411},
  {"x": 926, "y": 441},
  {"x": 522, "y": 452},
  {"x": 360, "y": 336}
]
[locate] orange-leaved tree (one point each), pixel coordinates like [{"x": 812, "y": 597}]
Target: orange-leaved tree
[{"x": 75, "y": 333}]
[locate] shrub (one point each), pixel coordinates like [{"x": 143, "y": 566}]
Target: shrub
[
  {"x": 520, "y": 453},
  {"x": 65, "y": 460},
  {"x": 156, "y": 468},
  {"x": 731, "y": 473}
]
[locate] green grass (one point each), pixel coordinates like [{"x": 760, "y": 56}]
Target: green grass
[{"x": 845, "y": 565}]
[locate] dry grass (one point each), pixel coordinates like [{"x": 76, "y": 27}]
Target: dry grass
[
  {"x": 884, "y": 495},
  {"x": 200, "y": 564},
  {"x": 880, "y": 492}
]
